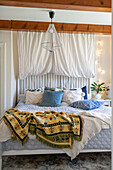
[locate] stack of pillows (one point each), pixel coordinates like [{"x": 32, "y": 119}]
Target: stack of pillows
[{"x": 55, "y": 97}]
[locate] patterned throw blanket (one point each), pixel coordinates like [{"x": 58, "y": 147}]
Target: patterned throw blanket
[{"x": 55, "y": 129}]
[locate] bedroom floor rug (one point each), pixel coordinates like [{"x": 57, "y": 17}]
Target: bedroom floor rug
[{"x": 84, "y": 161}]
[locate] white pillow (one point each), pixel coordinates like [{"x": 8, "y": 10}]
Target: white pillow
[
  {"x": 64, "y": 104},
  {"x": 70, "y": 96},
  {"x": 33, "y": 97}
]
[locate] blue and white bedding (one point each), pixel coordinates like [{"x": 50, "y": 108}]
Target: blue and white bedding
[
  {"x": 94, "y": 121},
  {"x": 103, "y": 112}
]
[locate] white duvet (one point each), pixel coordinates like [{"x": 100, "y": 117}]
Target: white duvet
[{"x": 94, "y": 121}]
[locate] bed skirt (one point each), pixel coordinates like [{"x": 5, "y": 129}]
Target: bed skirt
[{"x": 101, "y": 141}]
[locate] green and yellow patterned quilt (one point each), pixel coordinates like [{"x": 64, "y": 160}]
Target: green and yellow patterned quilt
[{"x": 55, "y": 129}]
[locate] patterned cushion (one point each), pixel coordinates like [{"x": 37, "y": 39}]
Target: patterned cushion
[
  {"x": 52, "y": 98},
  {"x": 33, "y": 97},
  {"x": 34, "y": 90},
  {"x": 49, "y": 88},
  {"x": 86, "y": 104},
  {"x": 72, "y": 96},
  {"x": 53, "y": 89}
]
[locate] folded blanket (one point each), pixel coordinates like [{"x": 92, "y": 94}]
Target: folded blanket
[{"x": 56, "y": 129}]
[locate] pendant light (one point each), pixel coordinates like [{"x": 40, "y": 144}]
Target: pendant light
[{"x": 51, "y": 39}]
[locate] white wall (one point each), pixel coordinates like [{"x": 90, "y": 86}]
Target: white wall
[
  {"x": 104, "y": 62},
  {"x": 7, "y": 76},
  {"x": 104, "y": 59}
]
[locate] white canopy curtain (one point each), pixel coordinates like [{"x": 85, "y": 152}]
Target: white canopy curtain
[
  {"x": 33, "y": 60},
  {"x": 74, "y": 59}
]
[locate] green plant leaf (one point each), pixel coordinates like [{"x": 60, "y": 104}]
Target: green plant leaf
[
  {"x": 100, "y": 89},
  {"x": 93, "y": 88},
  {"x": 101, "y": 84},
  {"x": 97, "y": 90},
  {"x": 95, "y": 83}
]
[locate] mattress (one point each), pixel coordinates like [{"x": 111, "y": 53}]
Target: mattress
[{"x": 101, "y": 141}]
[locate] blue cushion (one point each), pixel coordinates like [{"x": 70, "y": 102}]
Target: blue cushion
[
  {"x": 87, "y": 104},
  {"x": 52, "y": 98},
  {"x": 84, "y": 89}
]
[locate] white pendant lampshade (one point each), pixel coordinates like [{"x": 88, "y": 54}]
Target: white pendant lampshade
[{"x": 51, "y": 39}]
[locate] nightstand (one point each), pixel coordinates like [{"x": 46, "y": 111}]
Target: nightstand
[{"x": 107, "y": 102}]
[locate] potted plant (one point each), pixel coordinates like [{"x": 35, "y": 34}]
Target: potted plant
[{"x": 98, "y": 89}]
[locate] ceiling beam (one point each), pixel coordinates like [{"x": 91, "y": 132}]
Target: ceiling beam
[
  {"x": 83, "y": 5},
  {"x": 60, "y": 27}
]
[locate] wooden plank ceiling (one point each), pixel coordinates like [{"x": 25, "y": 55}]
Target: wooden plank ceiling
[
  {"x": 60, "y": 27},
  {"x": 83, "y": 5},
  {"x": 88, "y": 5}
]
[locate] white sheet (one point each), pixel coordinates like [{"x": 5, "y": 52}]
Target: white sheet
[
  {"x": 94, "y": 121},
  {"x": 103, "y": 113}
]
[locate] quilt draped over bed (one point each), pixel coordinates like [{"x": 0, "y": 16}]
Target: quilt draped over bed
[
  {"x": 56, "y": 129},
  {"x": 75, "y": 58}
]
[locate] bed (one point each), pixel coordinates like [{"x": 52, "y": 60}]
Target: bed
[{"x": 97, "y": 141}]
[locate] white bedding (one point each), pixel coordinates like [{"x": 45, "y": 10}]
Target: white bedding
[
  {"x": 103, "y": 113},
  {"x": 94, "y": 121}
]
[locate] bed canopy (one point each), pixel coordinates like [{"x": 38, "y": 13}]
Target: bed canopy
[{"x": 74, "y": 59}]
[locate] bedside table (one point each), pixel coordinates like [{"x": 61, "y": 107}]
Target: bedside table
[{"x": 107, "y": 102}]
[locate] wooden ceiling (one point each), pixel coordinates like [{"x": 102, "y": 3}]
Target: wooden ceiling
[
  {"x": 60, "y": 27},
  {"x": 83, "y": 5}
]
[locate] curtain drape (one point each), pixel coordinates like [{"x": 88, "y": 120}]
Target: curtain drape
[{"x": 74, "y": 59}]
